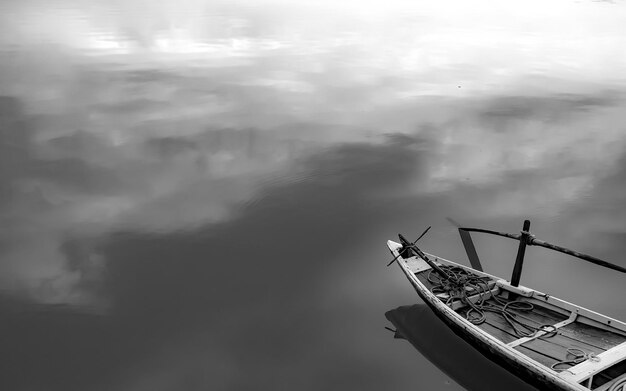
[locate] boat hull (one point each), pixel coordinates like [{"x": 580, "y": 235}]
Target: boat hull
[
  {"x": 530, "y": 357},
  {"x": 512, "y": 364}
]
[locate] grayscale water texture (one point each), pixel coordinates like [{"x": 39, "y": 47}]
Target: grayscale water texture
[{"x": 197, "y": 195}]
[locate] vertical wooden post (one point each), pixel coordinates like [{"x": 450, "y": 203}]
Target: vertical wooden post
[{"x": 519, "y": 261}]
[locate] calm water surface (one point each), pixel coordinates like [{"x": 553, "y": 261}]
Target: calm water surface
[{"x": 197, "y": 195}]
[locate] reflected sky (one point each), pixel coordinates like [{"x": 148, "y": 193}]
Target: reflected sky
[{"x": 199, "y": 189}]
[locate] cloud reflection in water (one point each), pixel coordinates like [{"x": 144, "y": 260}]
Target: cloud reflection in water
[{"x": 199, "y": 198}]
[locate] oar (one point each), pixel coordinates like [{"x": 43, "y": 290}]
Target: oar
[
  {"x": 536, "y": 242},
  {"x": 531, "y": 241},
  {"x": 468, "y": 244}
]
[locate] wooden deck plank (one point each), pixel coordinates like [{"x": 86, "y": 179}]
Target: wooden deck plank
[
  {"x": 547, "y": 349},
  {"x": 497, "y": 332},
  {"x": 557, "y": 347},
  {"x": 546, "y": 313},
  {"x": 498, "y": 321},
  {"x": 539, "y": 357},
  {"x": 534, "y": 319},
  {"x": 495, "y": 320},
  {"x": 565, "y": 339},
  {"x": 566, "y": 343},
  {"x": 592, "y": 335},
  {"x": 540, "y": 315}
]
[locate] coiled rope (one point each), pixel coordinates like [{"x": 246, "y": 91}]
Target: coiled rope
[{"x": 461, "y": 284}]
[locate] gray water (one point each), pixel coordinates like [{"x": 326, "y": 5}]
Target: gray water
[{"x": 197, "y": 195}]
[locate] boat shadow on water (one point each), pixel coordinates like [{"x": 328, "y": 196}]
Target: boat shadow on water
[{"x": 449, "y": 352}]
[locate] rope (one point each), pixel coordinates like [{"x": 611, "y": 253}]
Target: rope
[
  {"x": 461, "y": 284},
  {"x": 579, "y": 356}
]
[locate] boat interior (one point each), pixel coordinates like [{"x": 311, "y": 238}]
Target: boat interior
[{"x": 584, "y": 346}]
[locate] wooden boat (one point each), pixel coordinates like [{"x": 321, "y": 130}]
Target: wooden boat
[{"x": 545, "y": 341}]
